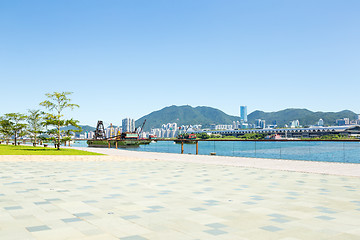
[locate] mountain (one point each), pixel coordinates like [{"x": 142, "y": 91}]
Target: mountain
[
  {"x": 305, "y": 117},
  {"x": 85, "y": 128},
  {"x": 185, "y": 115}
]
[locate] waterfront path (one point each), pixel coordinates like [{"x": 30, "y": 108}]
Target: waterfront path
[{"x": 139, "y": 195}]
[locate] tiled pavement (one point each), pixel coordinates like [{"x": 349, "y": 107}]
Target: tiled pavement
[{"x": 137, "y": 200}]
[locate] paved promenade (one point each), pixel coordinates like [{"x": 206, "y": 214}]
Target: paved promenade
[{"x": 136, "y": 196}]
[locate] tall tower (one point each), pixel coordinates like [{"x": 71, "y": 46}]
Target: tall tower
[
  {"x": 128, "y": 125},
  {"x": 243, "y": 113}
]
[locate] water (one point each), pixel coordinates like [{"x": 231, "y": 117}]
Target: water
[{"x": 348, "y": 152}]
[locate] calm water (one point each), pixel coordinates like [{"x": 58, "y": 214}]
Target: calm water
[{"x": 348, "y": 152}]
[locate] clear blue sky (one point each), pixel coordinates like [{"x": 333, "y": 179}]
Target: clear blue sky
[{"x": 129, "y": 58}]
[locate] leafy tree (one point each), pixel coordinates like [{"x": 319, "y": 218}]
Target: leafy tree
[
  {"x": 56, "y": 104},
  {"x": 253, "y": 136},
  {"x": 5, "y": 129},
  {"x": 12, "y": 125},
  {"x": 35, "y": 120},
  {"x": 203, "y": 135}
]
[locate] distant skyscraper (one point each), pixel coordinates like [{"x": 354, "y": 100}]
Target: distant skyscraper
[
  {"x": 263, "y": 124},
  {"x": 128, "y": 125},
  {"x": 321, "y": 122},
  {"x": 243, "y": 113}
]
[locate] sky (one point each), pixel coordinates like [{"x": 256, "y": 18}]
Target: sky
[{"x": 130, "y": 58}]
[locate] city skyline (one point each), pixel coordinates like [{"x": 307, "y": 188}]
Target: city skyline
[{"x": 268, "y": 55}]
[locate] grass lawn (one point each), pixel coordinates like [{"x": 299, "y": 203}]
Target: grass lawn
[{"x": 29, "y": 150}]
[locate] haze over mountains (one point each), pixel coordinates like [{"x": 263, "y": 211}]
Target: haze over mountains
[{"x": 184, "y": 115}]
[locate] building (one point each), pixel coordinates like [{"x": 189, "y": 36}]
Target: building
[
  {"x": 243, "y": 114},
  {"x": 223, "y": 127},
  {"x": 320, "y": 122},
  {"x": 295, "y": 124},
  {"x": 257, "y": 123},
  {"x": 343, "y": 122},
  {"x": 128, "y": 125},
  {"x": 262, "y": 124}
]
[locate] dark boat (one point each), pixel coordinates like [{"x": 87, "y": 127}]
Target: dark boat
[{"x": 186, "y": 138}]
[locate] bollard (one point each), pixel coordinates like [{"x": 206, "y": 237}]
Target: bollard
[
  {"x": 197, "y": 147},
  {"x": 109, "y": 144},
  {"x": 182, "y": 147},
  {"x": 116, "y": 144}
]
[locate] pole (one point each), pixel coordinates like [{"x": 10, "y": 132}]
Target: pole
[
  {"x": 116, "y": 144},
  {"x": 109, "y": 144},
  {"x": 255, "y": 148},
  {"x": 280, "y": 150},
  {"x": 197, "y": 147},
  {"x": 182, "y": 147}
]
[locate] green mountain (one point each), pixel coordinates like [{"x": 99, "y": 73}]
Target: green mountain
[
  {"x": 305, "y": 117},
  {"x": 184, "y": 115}
]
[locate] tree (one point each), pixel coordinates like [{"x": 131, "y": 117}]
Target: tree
[
  {"x": 5, "y": 129},
  {"x": 202, "y": 135},
  {"x": 57, "y": 103},
  {"x": 35, "y": 120},
  {"x": 12, "y": 125}
]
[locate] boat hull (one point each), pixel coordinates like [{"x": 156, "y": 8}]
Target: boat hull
[
  {"x": 120, "y": 143},
  {"x": 185, "y": 141}
]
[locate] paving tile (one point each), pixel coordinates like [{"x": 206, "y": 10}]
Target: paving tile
[
  {"x": 38, "y": 228},
  {"x": 134, "y": 237},
  {"x": 129, "y": 217},
  {"x": 198, "y": 209},
  {"x": 216, "y": 225},
  {"x": 13, "y": 208},
  {"x": 271, "y": 228},
  {"x": 325, "y": 218},
  {"x": 70, "y": 220},
  {"x": 215, "y": 232},
  {"x": 86, "y": 214}
]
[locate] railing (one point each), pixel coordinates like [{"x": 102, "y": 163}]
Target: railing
[{"x": 328, "y": 151}]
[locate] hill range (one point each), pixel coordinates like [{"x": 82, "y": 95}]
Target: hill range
[{"x": 185, "y": 115}]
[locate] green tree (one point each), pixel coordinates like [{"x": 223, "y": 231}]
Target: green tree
[
  {"x": 203, "y": 135},
  {"x": 5, "y": 129},
  {"x": 56, "y": 104},
  {"x": 12, "y": 124},
  {"x": 35, "y": 120}
]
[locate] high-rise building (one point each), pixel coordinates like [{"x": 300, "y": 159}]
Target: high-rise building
[
  {"x": 263, "y": 124},
  {"x": 257, "y": 123},
  {"x": 128, "y": 125},
  {"x": 343, "y": 122},
  {"x": 243, "y": 113},
  {"x": 295, "y": 124},
  {"x": 321, "y": 122}
]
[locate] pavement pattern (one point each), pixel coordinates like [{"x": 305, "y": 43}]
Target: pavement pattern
[{"x": 128, "y": 198}]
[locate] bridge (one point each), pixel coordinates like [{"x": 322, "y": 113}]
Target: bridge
[{"x": 312, "y": 132}]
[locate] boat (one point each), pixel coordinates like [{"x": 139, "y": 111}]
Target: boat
[
  {"x": 186, "y": 138},
  {"x": 125, "y": 139}
]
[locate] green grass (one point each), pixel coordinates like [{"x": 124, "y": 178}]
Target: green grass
[{"x": 28, "y": 150}]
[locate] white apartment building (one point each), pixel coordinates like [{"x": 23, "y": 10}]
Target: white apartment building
[{"x": 128, "y": 125}]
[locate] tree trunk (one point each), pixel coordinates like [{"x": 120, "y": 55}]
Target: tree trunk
[
  {"x": 58, "y": 139},
  {"x": 15, "y": 138}
]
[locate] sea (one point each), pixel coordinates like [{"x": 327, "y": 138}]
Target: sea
[{"x": 346, "y": 152}]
